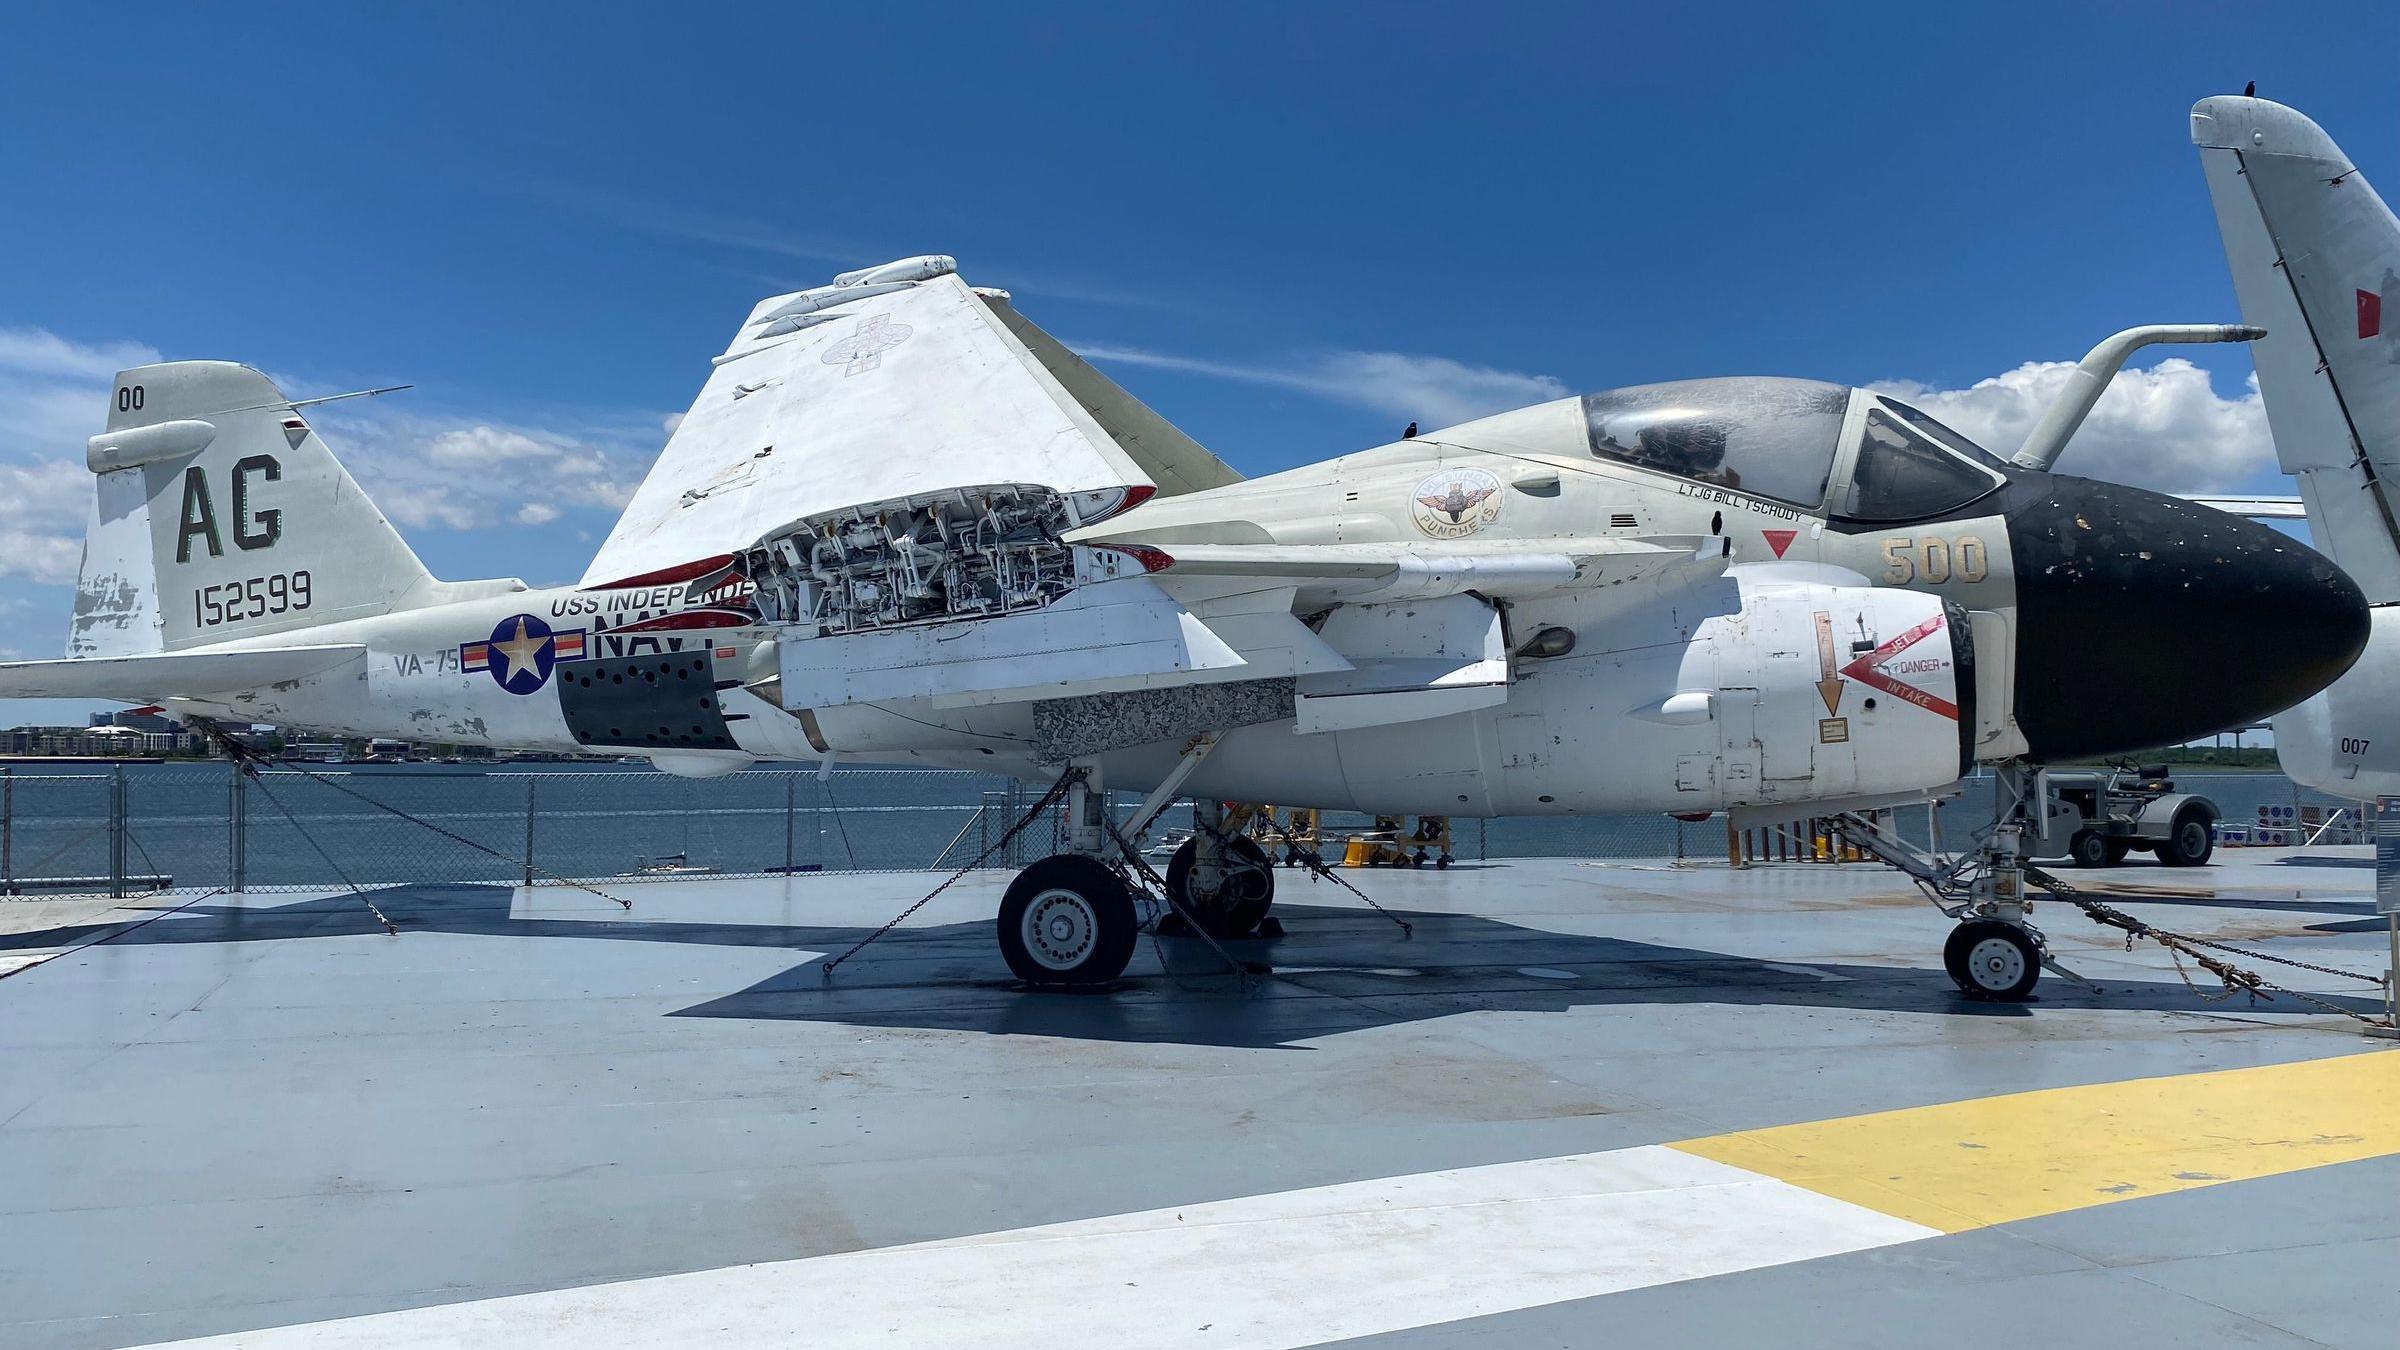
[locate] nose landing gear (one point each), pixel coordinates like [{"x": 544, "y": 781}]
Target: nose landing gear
[
  {"x": 1993, "y": 958},
  {"x": 1994, "y": 952}
]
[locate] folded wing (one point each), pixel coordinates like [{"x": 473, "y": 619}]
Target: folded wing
[{"x": 876, "y": 391}]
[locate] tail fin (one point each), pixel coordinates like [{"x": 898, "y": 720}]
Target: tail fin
[
  {"x": 2316, "y": 262},
  {"x": 219, "y": 514}
]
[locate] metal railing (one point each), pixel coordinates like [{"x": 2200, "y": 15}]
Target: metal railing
[{"x": 131, "y": 829}]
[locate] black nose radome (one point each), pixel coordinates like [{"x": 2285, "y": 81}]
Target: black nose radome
[{"x": 2145, "y": 621}]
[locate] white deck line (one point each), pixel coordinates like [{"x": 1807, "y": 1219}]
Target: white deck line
[{"x": 1294, "y": 1268}]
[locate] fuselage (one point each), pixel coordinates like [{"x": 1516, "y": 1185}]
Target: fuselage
[{"x": 2028, "y": 595}]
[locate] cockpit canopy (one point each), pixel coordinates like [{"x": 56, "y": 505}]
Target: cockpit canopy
[{"x": 1820, "y": 447}]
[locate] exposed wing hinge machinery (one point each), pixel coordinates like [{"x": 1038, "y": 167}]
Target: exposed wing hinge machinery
[{"x": 961, "y": 553}]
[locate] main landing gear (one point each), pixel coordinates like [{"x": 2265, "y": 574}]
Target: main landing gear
[{"x": 1070, "y": 920}]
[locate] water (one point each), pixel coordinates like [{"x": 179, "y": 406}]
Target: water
[{"x": 603, "y": 821}]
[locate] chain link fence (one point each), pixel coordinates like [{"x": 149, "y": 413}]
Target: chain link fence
[{"x": 134, "y": 829}]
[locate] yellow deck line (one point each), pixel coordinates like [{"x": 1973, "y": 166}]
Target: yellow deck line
[{"x": 1970, "y": 1164}]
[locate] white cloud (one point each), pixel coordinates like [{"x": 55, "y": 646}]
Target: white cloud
[
  {"x": 473, "y": 475},
  {"x": 35, "y": 351},
  {"x": 47, "y": 502},
  {"x": 1433, "y": 390},
  {"x": 2165, "y": 427},
  {"x": 53, "y": 394}
]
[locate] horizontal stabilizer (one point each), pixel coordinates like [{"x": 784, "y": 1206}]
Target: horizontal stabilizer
[{"x": 143, "y": 679}]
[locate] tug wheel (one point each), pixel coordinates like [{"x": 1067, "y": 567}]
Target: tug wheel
[
  {"x": 2089, "y": 848},
  {"x": 1067, "y": 920},
  {"x": 1249, "y": 889},
  {"x": 2192, "y": 840},
  {"x": 1992, "y": 959}
]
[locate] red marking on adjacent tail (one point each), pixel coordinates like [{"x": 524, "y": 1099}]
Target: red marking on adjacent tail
[{"x": 2370, "y": 314}]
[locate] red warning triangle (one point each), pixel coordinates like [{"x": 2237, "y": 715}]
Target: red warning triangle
[{"x": 1779, "y": 540}]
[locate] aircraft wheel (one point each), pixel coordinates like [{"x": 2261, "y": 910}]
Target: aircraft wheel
[
  {"x": 1249, "y": 888},
  {"x": 1067, "y": 920},
  {"x": 1992, "y": 959},
  {"x": 2192, "y": 840}
]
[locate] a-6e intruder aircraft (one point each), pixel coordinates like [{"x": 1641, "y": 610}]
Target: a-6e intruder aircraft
[{"x": 901, "y": 522}]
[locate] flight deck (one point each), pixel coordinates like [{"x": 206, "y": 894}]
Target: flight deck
[{"x": 1579, "y": 1103}]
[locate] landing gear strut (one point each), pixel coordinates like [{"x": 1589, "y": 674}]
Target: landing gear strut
[
  {"x": 1069, "y": 919},
  {"x": 1995, "y": 952}
]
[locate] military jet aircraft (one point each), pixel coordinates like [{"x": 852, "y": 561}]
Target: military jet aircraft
[
  {"x": 901, "y": 522},
  {"x": 2315, "y": 255}
]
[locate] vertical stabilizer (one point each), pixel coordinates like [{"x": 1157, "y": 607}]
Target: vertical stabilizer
[
  {"x": 220, "y": 514},
  {"x": 2315, "y": 255}
]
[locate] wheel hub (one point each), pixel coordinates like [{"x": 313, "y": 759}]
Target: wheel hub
[
  {"x": 1060, "y": 928},
  {"x": 1996, "y": 963}
]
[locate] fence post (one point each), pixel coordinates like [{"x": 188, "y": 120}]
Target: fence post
[
  {"x": 237, "y": 830},
  {"x": 116, "y": 833},
  {"x": 8, "y": 831},
  {"x": 530, "y": 780},
  {"x": 790, "y": 818}
]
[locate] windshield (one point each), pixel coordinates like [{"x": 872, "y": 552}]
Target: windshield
[
  {"x": 1902, "y": 475},
  {"x": 1767, "y": 437}
]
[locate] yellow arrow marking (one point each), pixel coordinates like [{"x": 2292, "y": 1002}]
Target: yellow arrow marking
[{"x": 1829, "y": 685}]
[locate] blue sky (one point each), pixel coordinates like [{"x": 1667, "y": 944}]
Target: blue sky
[{"x": 1290, "y": 229}]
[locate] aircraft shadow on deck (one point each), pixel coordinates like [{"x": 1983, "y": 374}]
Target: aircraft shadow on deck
[{"x": 1337, "y": 970}]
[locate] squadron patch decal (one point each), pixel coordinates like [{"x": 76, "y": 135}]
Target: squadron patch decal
[
  {"x": 862, "y": 348},
  {"x": 521, "y": 652},
  {"x": 1455, "y": 503}
]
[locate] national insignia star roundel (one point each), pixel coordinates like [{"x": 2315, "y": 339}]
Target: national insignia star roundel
[{"x": 521, "y": 652}]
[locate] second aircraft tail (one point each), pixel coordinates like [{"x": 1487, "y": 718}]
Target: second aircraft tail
[{"x": 2315, "y": 255}]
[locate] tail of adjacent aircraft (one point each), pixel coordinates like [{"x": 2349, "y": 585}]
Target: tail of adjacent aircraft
[
  {"x": 220, "y": 514},
  {"x": 2315, "y": 255}
]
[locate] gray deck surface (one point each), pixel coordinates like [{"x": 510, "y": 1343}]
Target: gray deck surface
[{"x": 263, "y": 1111}]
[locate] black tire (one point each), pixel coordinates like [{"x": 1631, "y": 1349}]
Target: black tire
[
  {"x": 1993, "y": 960},
  {"x": 2117, "y": 849},
  {"x": 2192, "y": 840},
  {"x": 2088, "y": 848},
  {"x": 1249, "y": 888},
  {"x": 1067, "y": 920}
]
